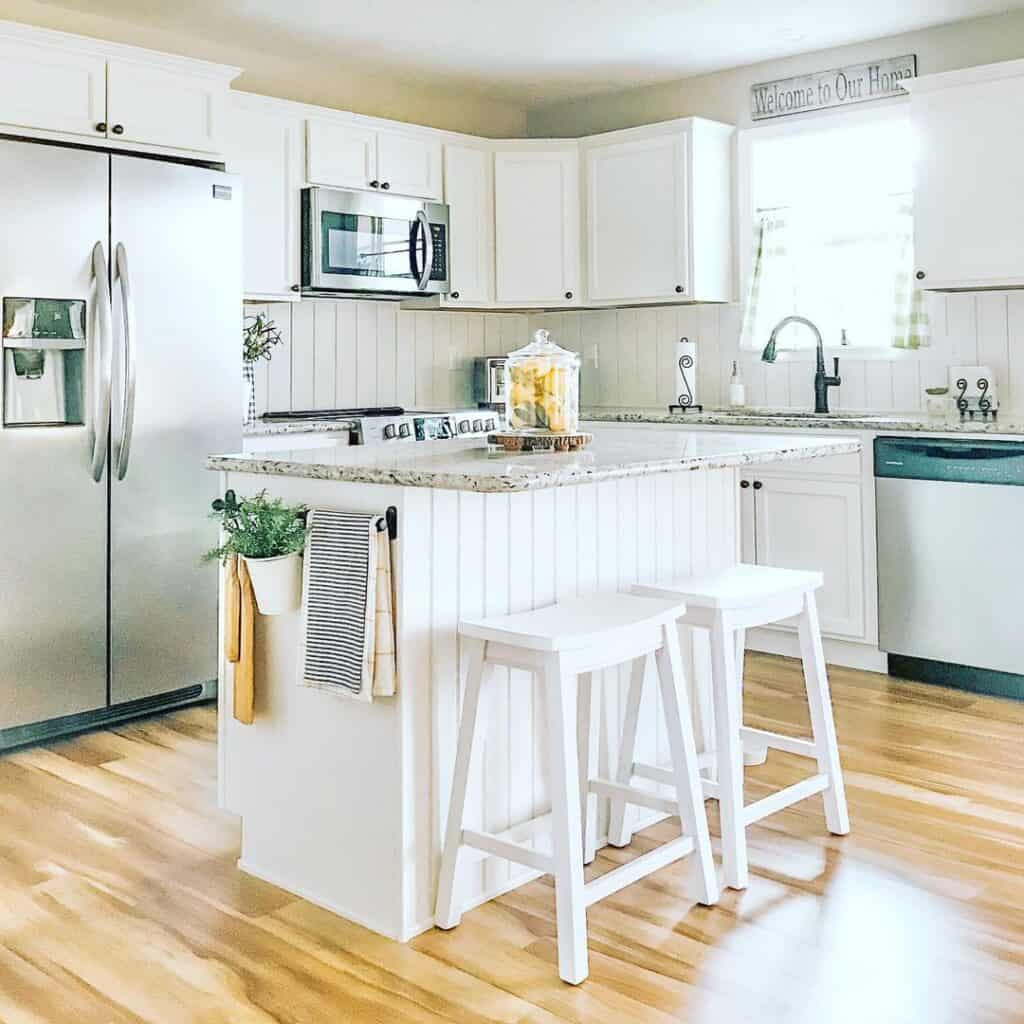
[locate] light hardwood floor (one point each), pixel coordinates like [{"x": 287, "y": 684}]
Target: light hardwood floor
[{"x": 120, "y": 901}]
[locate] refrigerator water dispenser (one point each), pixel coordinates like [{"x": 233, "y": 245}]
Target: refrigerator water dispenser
[{"x": 43, "y": 364}]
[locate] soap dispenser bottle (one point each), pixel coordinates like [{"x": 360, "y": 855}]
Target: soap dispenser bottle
[{"x": 737, "y": 392}]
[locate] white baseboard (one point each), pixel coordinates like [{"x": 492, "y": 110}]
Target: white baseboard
[
  {"x": 304, "y": 892},
  {"x": 837, "y": 652},
  {"x": 643, "y": 820}
]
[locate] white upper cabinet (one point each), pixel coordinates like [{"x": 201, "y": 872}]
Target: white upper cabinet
[
  {"x": 469, "y": 193},
  {"x": 968, "y": 201},
  {"x": 409, "y": 163},
  {"x": 55, "y": 84},
  {"x": 341, "y": 154},
  {"x": 356, "y": 154},
  {"x": 537, "y": 225},
  {"x": 658, "y": 214},
  {"x": 52, "y": 88},
  {"x": 159, "y": 106},
  {"x": 265, "y": 148}
]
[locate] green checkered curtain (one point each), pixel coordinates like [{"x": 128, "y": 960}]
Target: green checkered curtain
[
  {"x": 911, "y": 326},
  {"x": 771, "y": 290}
]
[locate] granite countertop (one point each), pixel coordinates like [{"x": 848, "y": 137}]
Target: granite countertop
[
  {"x": 261, "y": 428},
  {"x": 793, "y": 419},
  {"x": 471, "y": 466}
]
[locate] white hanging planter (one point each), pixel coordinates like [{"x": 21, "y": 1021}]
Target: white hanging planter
[{"x": 276, "y": 583}]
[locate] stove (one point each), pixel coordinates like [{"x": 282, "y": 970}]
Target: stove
[{"x": 395, "y": 425}]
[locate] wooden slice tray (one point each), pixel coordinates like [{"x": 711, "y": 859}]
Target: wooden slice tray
[{"x": 513, "y": 441}]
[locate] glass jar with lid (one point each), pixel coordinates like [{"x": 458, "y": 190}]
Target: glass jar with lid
[{"x": 543, "y": 383}]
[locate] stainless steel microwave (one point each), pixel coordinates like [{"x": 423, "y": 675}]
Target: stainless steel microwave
[{"x": 357, "y": 242}]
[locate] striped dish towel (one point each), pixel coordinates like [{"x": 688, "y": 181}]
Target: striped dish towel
[{"x": 349, "y": 634}]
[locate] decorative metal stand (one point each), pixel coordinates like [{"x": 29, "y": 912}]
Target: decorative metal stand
[
  {"x": 975, "y": 405},
  {"x": 684, "y": 401}
]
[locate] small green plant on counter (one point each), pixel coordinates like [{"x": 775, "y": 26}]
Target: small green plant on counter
[
  {"x": 259, "y": 336},
  {"x": 258, "y": 527}
]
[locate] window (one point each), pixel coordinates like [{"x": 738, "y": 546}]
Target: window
[{"x": 832, "y": 234}]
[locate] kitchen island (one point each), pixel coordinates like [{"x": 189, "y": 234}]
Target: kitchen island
[{"x": 344, "y": 802}]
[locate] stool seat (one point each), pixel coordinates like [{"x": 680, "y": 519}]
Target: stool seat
[
  {"x": 742, "y": 586},
  {"x": 575, "y": 623}
]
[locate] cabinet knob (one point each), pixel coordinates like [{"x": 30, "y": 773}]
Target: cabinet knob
[
  {"x": 375, "y": 183},
  {"x": 296, "y": 288},
  {"x": 385, "y": 185},
  {"x": 920, "y": 275},
  {"x": 680, "y": 289},
  {"x": 454, "y": 295},
  {"x": 758, "y": 485},
  {"x": 568, "y": 295},
  {"x": 101, "y": 126},
  {"x": 744, "y": 484},
  {"x": 118, "y": 129}
]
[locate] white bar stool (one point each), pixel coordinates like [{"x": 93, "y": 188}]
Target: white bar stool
[
  {"x": 560, "y": 643},
  {"x": 727, "y": 604}
]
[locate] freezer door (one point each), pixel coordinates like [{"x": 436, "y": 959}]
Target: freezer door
[
  {"x": 53, "y": 514},
  {"x": 176, "y": 234}
]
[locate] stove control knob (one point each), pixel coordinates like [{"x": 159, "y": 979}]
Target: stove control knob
[
  {"x": 403, "y": 430},
  {"x": 478, "y": 425},
  {"x": 389, "y": 432},
  {"x": 491, "y": 425},
  {"x": 464, "y": 426}
]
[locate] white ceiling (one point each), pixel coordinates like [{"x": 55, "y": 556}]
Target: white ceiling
[{"x": 537, "y": 51}]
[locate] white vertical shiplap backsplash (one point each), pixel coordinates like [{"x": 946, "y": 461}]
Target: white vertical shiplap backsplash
[
  {"x": 628, "y": 355},
  {"x": 340, "y": 353},
  {"x": 353, "y": 352}
]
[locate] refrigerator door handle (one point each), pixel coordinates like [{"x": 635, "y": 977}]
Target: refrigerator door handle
[
  {"x": 124, "y": 447},
  {"x": 102, "y": 365}
]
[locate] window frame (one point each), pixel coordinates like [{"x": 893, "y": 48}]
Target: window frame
[{"x": 896, "y": 107}]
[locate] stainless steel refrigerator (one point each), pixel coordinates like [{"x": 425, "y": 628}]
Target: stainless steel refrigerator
[{"x": 120, "y": 281}]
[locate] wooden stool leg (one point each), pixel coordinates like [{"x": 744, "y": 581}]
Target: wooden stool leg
[
  {"x": 819, "y": 702},
  {"x": 588, "y": 738},
  {"x": 570, "y": 909},
  {"x": 730, "y": 758},
  {"x": 679, "y": 726},
  {"x": 620, "y": 832},
  {"x": 448, "y": 910},
  {"x": 752, "y": 753}
]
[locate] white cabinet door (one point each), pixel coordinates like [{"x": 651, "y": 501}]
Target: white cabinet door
[
  {"x": 816, "y": 525},
  {"x": 51, "y": 88},
  {"x": 340, "y": 154},
  {"x": 266, "y": 150},
  {"x": 468, "y": 191},
  {"x": 968, "y": 203},
  {"x": 637, "y": 230},
  {"x": 537, "y": 214},
  {"x": 409, "y": 163},
  {"x": 157, "y": 106}
]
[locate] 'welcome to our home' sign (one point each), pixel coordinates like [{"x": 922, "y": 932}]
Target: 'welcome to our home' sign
[{"x": 838, "y": 88}]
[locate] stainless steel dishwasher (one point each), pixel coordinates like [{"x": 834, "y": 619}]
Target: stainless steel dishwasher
[{"x": 951, "y": 561}]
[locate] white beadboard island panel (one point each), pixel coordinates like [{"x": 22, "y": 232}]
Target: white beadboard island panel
[{"x": 343, "y": 802}]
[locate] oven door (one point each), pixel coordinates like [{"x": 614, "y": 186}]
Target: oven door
[{"x": 353, "y": 242}]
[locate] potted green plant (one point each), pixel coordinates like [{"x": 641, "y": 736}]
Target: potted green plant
[
  {"x": 268, "y": 536},
  {"x": 259, "y": 336}
]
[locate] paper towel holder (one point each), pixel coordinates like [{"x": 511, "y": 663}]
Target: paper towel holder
[{"x": 684, "y": 400}]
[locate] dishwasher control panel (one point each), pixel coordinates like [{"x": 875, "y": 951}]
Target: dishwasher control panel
[{"x": 953, "y": 460}]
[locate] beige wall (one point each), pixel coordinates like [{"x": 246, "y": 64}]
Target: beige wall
[
  {"x": 725, "y": 95},
  {"x": 306, "y": 76}
]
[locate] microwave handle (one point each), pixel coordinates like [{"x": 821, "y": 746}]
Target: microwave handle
[{"x": 423, "y": 226}]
